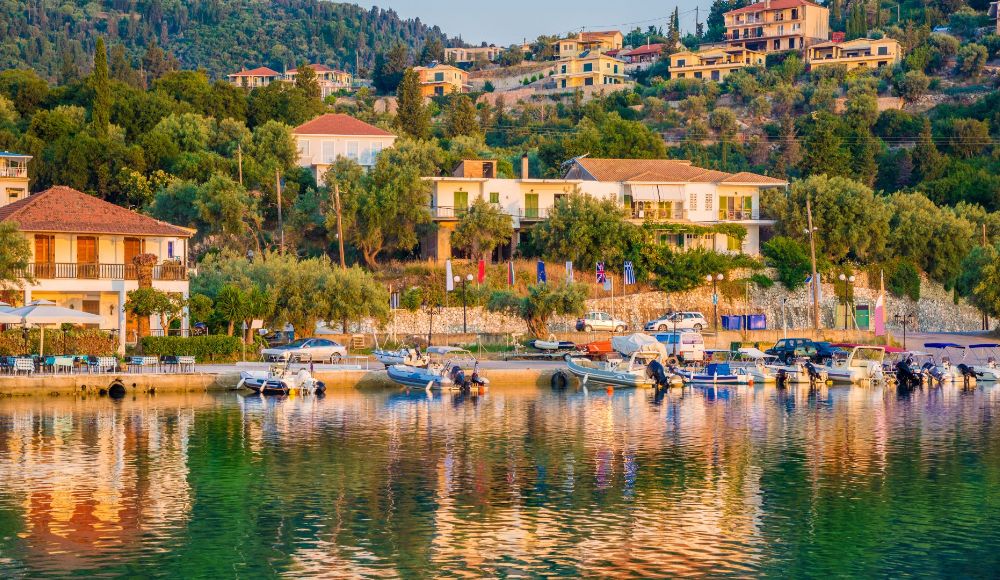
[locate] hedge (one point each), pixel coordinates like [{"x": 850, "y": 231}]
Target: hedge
[
  {"x": 203, "y": 348},
  {"x": 77, "y": 341}
]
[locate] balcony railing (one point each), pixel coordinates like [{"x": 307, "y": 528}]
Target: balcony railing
[
  {"x": 525, "y": 213},
  {"x": 533, "y": 213},
  {"x": 13, "y": 171},
  {"x": 77, "y": 271},
  {"x": 738, "y": 215}
]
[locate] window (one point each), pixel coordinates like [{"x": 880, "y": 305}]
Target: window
[
  {"x": 303, "y": 148},
  {"x": 715, "y": 75},
  {"x": 708, "y": 202},
  {"x": 352, "y": 150},
  {"x": 693, "y": 199},
  {"x": 563, "y": 84},
  {"x": 883, "y": 50},
  {"x": 562, "y": 69},
  {"x": 461, "y": 202},
  {"x": 45, "y": 256},
  {"x": 133, "y": 247},
  {"x": 86, "y": 256},
  {"x": 495, "y": 197},
  {"x": 588, "y": 67},
  {"x": 531, "y": 205},
  {"x": 588, "y": 81},
  {"x": 733, "y": 244},
  {"x": 680, "y": 75},
  {"x": 376, "y": 150},
  {"x": 170, "y": 250},
  {"x": 329, "y": 151},
  {"x": 681, "y": 62},
  {"x": 616, "y": 69},
  {"x": 439, "y": 91},
  {"x": 439, "y": 77}
]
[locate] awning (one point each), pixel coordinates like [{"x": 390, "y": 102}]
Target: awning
[{"x": 644, "y": 193}]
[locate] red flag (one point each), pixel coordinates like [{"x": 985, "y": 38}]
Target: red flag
[{"x": 481, "y": 277}]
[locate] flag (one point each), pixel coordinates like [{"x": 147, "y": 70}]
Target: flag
[
  {"x": 481, "y": 274},
  {"x": 602, "y": 276},
  {"x": 510, "y": 273},
  {"x": 629, "y": 274},
  {"x": 569, "y": 272},
  {"x": 449, "y": 283},
  {"x": 880, "y": 308},
  {"x": 819, "y": 288},
  {"x": 541, "y": 272}
]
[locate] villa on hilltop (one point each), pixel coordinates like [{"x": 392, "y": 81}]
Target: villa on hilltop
[{"x": 322, "y": 140}]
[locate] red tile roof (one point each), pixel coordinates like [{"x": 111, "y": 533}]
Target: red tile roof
[
  {"x": 650, "y": 49},
  {"x": 598, "y": 35},
  {"x": 257, "y": 72},
  {"x": 667, "y": 171},
  {"x": 775, "y": 5},
  {"x": 339, "y": 124},
  {"x": 64, "y": 209},
  {"x": 319, "y": 68}
]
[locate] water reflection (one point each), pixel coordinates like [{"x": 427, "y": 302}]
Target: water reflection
[{"x": 743, "y": 480}]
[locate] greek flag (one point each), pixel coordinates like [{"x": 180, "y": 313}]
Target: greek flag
[{"x": 629, "y": 274}]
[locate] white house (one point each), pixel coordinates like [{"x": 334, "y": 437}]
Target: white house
[
  {"x": 82, "y": 250},
  {"x": 327, "y": 137}
]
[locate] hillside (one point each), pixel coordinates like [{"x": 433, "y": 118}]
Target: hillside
[{"x": 56, "y": 38}]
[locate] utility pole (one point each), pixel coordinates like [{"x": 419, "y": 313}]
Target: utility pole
[
  {"x": 340, "y": 224},
  {"x": 239, "y": 161},
  {"x": 986, "y": 317},
  {"x": 812, "y": 251},
  {"x": 281, "y": 223}
]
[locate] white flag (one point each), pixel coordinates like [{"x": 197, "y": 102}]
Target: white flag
[
  {"x": 569, "y": 272},
  {"x": 449, "y": 284}
]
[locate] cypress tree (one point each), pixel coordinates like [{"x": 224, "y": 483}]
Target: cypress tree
[
  {"x": 412, "y": 116},
  {"x": 101, "y": 114}
]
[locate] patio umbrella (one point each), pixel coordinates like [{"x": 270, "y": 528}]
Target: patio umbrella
[
  {"x": 43, "y": 313},
  {"x": 4, "y": 307}
]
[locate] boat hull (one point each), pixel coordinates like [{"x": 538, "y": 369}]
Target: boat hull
[
  {"x": 614, "y": 378},
  {"x": 417, "y": 377},
  {"x": 703, "y": 379}
]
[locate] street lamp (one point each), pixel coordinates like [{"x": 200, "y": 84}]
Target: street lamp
[
  {"x": 465, "y": 316},
  {"x": 848, "y": 285},
  {"x": 904, "y": 320},
  {"x": 715, "y": 279}
]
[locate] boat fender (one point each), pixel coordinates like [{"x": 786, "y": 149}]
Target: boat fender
[
  {"x": 559, "y": 381},
  {"x": 116, "y": 390},
  {"x": 320, "y": 387}
]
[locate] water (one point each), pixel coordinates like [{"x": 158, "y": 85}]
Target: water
[{"x": 520, "y": 482}]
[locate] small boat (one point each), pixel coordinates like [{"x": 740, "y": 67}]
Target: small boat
[
  {"x": 280, "y": 380},
  {"x": 403, "y": 356},
  {"x": 640, "y": 369},
  {"x": 943, "y": 365},
  {"x": 988, "y": 372},
  {"x": 597, "y": 349},
  {"x": 552, "y": 344},
  {"x": 432, "y": 376},
  {"x": 443, "y": 370},
  {"x": 713, "y": 374},
  {"x": 864, "y": 363}
]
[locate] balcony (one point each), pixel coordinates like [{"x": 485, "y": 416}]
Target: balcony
[
  {"x": 738, "y": 215},
  {"x": 76, "y": 271},
  {"x": 676, "y": 214},
  {"x": 13, "y": 171},
  {"x": 532, "y": 213},
  {"x": 442, "y": 212}
]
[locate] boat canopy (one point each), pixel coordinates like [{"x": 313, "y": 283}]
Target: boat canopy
[
  {"x": 752, "y": 352},
  {"x": 639, "y": 343},
  {"x": 942, "y": 345},
  {"x": 984, "y": 345},
  {"x": 443, "y": 350}
]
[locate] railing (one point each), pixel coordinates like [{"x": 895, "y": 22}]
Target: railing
[
  {"x": 738, "y": 215},
  {"x": 525, "y": 213},
  {"x": 657, "y": 214},
  {"x": 448, "y": 212},
  {"x": 13, "y": 171},
  {"x": 77, "y": 271},
  {"x": 533, "y": 213}
]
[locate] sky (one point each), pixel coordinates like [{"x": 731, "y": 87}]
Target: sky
[{"x": 511, "y": 21}]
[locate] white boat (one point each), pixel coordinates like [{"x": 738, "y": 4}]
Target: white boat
[
  {"x": 552, "y": 344},
  {"x": 986, "y": 371},
  {"x": 403, "y": 356},
  {"x": 280, "y": 379},
  {"x": 864, "y": 363},
  {"x": 444, "y": 369},
  {"x": 944, "y": 367},
  {"x": 633, "y": 371}
]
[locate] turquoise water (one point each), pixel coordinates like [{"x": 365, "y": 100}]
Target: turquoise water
[{"x": 519, "y": 482}]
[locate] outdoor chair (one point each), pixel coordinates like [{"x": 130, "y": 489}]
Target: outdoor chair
[
  {"x": 24, "y": 365},
  {"x": 6, "y": 365},
  {"x": 186, "y": 362},
  {"x": 100, "y": 364},
  {"x": 169, "y": 363}
]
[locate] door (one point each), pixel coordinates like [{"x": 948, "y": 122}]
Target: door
[
  {"x": 133, "y": 247},
  {"x": 86, "y": 257},
  {"x": 45, "y": 256},
  {"x": 862, "y": 314},
  {"x": 531, "y": 205},
  {"x": 461, "y": 202}
]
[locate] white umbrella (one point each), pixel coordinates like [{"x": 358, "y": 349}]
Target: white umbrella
[
  {"x": 4, "y": 307},
  {"x": 7, "y": 318},
  {"x": 43, "y": 312}
]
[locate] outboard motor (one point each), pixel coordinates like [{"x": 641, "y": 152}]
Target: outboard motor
[
  {"x": 655, "y": 371},
  {"x": 814, "y": 375},
  {"x": 905, "y": 377},
  {"x": 932, "y": 372},
  {"x": 781, "y": 378},
  {"x": 457, "y": 377},
  {"x": 969, "y": 374},
  {"x": 476, "y": 379}
]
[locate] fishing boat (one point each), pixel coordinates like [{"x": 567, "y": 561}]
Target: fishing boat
[
  {"x": 280, "y": 379},
  {"x": 715, "y": 373},
  {"x": 988, "y": 371},
  {"x": 403, "y": 356},
  {"x": 640, "y": 351},
  {"x": 445, "y": 369},
  {"x": 864, "y": 363}
]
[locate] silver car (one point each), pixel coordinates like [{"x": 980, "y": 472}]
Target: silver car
[{"x": 307, "y": 350}]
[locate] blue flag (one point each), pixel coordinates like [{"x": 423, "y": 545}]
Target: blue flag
[
  {"x": 541, "y": 272},
  {"x": 629, "y": 274}
]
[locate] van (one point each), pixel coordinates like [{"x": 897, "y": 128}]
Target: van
[{"x": 685, "y": 345}]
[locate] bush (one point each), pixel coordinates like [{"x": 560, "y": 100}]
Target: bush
[
  {"x": 79, "y": 342},
  {"x": 203, "y": 348},
  {"x": 762, "y": 281},
  {"x": 902, "y": 279},
  {"x": 790, "y": 258}
]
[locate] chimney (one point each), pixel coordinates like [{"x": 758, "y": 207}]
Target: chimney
[
  {"x": 524, "y": 166},
  {"x": 767, "y": 4}
]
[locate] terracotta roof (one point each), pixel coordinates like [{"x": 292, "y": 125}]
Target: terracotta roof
[
  {"x": 64, "y": 209},
  {"x": 666, "y": 171},
  {"x": 648, "y": 49},
  {"x": 775, "y": 5},
  {"x": 257, "y": 72},
  {"x": 320, "y": 68},
  {"x": 598, "y": 35},
  {"x": 339, "y": 124}
]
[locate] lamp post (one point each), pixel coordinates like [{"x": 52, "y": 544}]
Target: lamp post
[
  {"x": 715, "y": 279},
  {"x": 811, "y": 232},
  {"x": 904, "y": 320},
  {"x": 848, "y": 285},
  {"x": 465, "y": 316},
  {"x": 430, "y": 310}
]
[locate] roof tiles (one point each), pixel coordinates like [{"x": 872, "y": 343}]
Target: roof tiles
[
  {"x": 667, "y": 171},
  {"x": 340, "y": 124}
]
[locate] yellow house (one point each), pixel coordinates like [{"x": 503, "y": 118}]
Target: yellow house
[
  {"x": 13, "y": 177},
  {"x": 858, "y": 53},
  {"x": 712, "y": 63},
  {"x": 251, "y": 79},
  {"x": 776, "y": 25},
  {"x": 330, "y": 80},
  {"x": 439, "y": 79},
  {"x": 600, "y": 41},
  {"x": 589, "y": 69},
  {"x": 472, "y": 55}
]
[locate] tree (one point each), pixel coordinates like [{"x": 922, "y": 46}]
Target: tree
[
  {"x": 229, "y": 305},
  {"x": 542, "y": 302},
  {"x": 912, "y": 85},
  {"x": 723, "y": 120},
  {"x": 305, "y": 81},
  {"x": 934, "y": 239},
  {"x": 927, "y": 162},
  {"x": 969, "y": 137},
  {"x": 980, "y": 279},
  {"x": 585, "y": 230},
  {"x": 790, "y": 258},
  {"x": 389, "y": 68},
  {"x": 482, "y": 229},
  {"x": 461, "y": 117},
  {"x": 15, "y": 255},
  {"x": 971, "y": 59},
  {"x": 412, "y": 116},
  {"x": 101, "y": 112},
  {"x": 146, "y": 302},
  {"x": 432, "y": 51},
  {"x": 824, "y": 148}
]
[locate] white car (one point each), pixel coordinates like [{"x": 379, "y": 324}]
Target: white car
[
  {"x": 684, "y": 321},
  {"x": 600, "y": 321},
  {"x": 307, "y": 350}
]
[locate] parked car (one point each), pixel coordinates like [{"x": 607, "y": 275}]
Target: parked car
[
  {"x": 307, "y": 350},
  {"x": 825, "y": 352},
  {"x": 684, "y": 321},
  {"x": 787, "y": 349},
  {"x": 688, "y": 346},
  {"x": 600, "y": 321}
]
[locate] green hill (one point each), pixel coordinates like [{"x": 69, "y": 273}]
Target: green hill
[{"x": 56, "y": 37}]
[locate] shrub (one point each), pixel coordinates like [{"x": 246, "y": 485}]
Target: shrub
[
  {"x": 203, "y": 348},
  {"x": 790, "y": 258},
  {"x": 80, "y": 342},
  {"x": 762, "y": 281},
  {"x": 902, "y": 279}
]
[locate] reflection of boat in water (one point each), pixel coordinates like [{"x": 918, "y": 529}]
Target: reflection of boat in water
[
  {"x": 864, "y": 363},
  {"x": 280, "y": 380},
  {"x": 444, "y": 369}
]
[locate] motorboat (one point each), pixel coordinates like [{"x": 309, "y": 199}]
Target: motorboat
[
  {"x": 988, "y": 371},
  {"x": 750, "y": 364},
  {"x": 944, "y": 365},
  {"x": 552, "y": 344},
  {"x": 402, "y": 356},
  {"x": 597, "y": 349},
  {"x": 641, "y": 366},
  {"x": 280, "y": 379},
  {"x": 444, "y": 369},
  {"x": 714, "y": 373},
  {"x": 863, "y": 363}
]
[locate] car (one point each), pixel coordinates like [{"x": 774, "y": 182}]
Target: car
[
  {"x": 825, "y": 352},
  {"x": 787, "y": 349},
  {"x": 600, "y": 321},
  {"x": 678, "y": 321},
  {"x": 307, "y": 350}
]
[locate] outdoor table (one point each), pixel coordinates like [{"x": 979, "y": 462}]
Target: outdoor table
[
  {"x": 186, "y": 362},
  {"x": 141, "y": 362}
]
